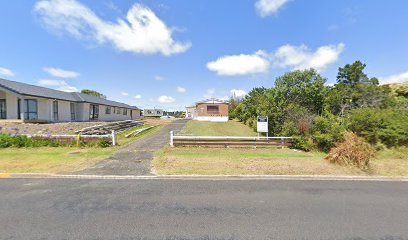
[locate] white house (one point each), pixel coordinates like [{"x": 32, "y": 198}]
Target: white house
[{"x": 30, "y": 103}]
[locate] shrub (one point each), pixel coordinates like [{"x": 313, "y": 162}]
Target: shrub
[
  {"x": 303, "y": 143},
  {"x": 353, "y": 151},
  {"x": 388, "y": 126},
  {"x": 21, "y": 141},
  {"x": 327, "y": 131},
  {"x": 104, "y": 143},
  {"x": 5, "y": 141}
]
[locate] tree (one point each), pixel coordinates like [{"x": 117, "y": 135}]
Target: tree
[{"x": 93, "y": 93}]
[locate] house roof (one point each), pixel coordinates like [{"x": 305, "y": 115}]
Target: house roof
[
  {"x": 213, "y": 101},
  {"x": 37, "y": 91}
]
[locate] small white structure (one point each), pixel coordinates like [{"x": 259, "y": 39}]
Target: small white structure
[{"x": 153, "y": 112}]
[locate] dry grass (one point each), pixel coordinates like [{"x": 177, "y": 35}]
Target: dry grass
[
  {"x": 50, "y": 160},
  {"x": 204, "y": 161},
  {"x": 390, "y": 162}
]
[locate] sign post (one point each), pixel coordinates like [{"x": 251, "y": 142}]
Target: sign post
[{"x": 262, "y": 125}]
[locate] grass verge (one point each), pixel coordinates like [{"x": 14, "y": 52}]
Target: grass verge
[
  {"x": 220, "y": 161},
  {"x": 61, "y": 159}
]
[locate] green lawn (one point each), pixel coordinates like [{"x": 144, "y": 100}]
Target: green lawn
[
  {"x": 230, "y": 128},
  {"x": 265, "y": 161},
  {"x": 61, "y": 159}
]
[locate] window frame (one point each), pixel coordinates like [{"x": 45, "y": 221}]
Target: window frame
[
  {"x": 27, "y": 110},
  {"x": 55, "y": 115},
  {"x": 3, "y": 110},
  {"x": 125, "y": 111},
  {"x": 108, "y": 110},
  {"x": 72, "y": 108}
]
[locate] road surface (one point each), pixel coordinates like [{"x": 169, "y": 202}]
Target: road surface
[{"x": 202, "y": 209}]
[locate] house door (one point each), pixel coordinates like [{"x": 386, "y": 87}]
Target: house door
[
  {"x": 3, "y": 110},
  {"x": 93, "y": 112}
]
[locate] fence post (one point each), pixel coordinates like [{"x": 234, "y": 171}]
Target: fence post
[
  {"x": 171, "y": 139},
  {"x": 78, "y": 140},
  {"x": 282, "y": 143},
  {"x": 114, "y": 138}
]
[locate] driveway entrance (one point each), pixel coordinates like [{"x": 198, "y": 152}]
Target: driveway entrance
[{"x": 135, "y": 159}]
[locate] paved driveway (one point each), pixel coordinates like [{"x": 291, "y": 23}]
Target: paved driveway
[
  {"x": 195, "y": 209},
  {"x": 135, "y": 159}
]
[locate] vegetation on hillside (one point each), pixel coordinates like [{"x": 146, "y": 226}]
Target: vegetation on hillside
[
  {"x": 301, "y": 105},
  {"x": 93, "y": 93}
]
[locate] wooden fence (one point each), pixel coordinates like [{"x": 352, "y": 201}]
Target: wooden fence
[
  {"x": 229, "y": 141},
  {"x": 67, "y": 139}
]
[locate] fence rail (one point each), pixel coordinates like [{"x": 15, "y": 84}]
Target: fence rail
[
  {"x": 229, "y": 141},
  {"x": 66, "y": 138}
]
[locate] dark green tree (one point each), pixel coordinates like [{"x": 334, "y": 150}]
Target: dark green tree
[{"x": 93, "y": 93}]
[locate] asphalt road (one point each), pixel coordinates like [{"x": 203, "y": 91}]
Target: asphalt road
[
  {"x": 202, "y": 209},
  {"x": 135, "y": 158}
]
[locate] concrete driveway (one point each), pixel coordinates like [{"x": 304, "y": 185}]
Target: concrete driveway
[{"x": 135, "y": 159}]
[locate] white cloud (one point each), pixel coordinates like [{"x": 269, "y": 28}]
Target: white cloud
[
  {"x": 397, "y": 78},
  {"x": 165, "y": 99},
  {"x": 141, "y": 31},
  {"x": 59, "y": 85},
  {"x": 238, "y": 93},
  {"x": 124, "y": 94},
  {"x": 158, "y": 78},
  {"x": 213, "y": 93},
  {"x": 137, "y": 96},
  {"x": 242, "y": 64},
  {"x": 287, "y": 56},
  {"x": 61, "y": 73},
  {"x": 6, "y": 72},
  {"x": 268, "y": 7},
  {"x": 301, "y": 57},
  {"x": 181, "y": 90}
]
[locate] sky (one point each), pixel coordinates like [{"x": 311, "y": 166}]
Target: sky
[{"x": 170, "y": 54}]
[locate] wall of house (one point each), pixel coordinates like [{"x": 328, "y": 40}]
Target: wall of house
[
  {"x": 11, "y": 105},
  {"x": 190, "y": 112},
  {"x": 45, "y": 110},
  {"x": 202, "y": 110}
]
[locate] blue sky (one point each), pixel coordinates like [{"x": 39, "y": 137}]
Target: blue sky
[{"x": 169, "y": 54}]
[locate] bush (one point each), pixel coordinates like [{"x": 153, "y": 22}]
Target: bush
[
  {"x": 327, "y": 131},
  {"x": 104, "y": 143},
  {"x": 353, "y": 151},
  {"x": 21, "y": 141},
  {"x": 303, "y": 143},
  {"x": 5, "y": 141},
  {"x": 387, "y": 126}
]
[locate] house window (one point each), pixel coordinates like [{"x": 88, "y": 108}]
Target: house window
[
  {"x": 125, "y": 111},
  {"x": 55, "y": 110},
  {"x": 72, "y": 107},
  {"x": 3, "y": 109},
  {"x": 93, "y": 112},
  {"x": 211, "y": 109},
  {"x": 31, "y": 112},
  {"x": 108, "y": 110},
  {"x": 118, "y": 111}
]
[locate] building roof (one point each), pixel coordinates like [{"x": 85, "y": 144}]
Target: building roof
[
  {"x": 37, "y": 91},
  {"x": 212, "y": 101}
]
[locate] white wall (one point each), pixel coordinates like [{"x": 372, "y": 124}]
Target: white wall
[{"x": 45, "y": 110}]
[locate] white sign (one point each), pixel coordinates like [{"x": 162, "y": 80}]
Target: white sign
[{"x": 262, "y": 124}]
